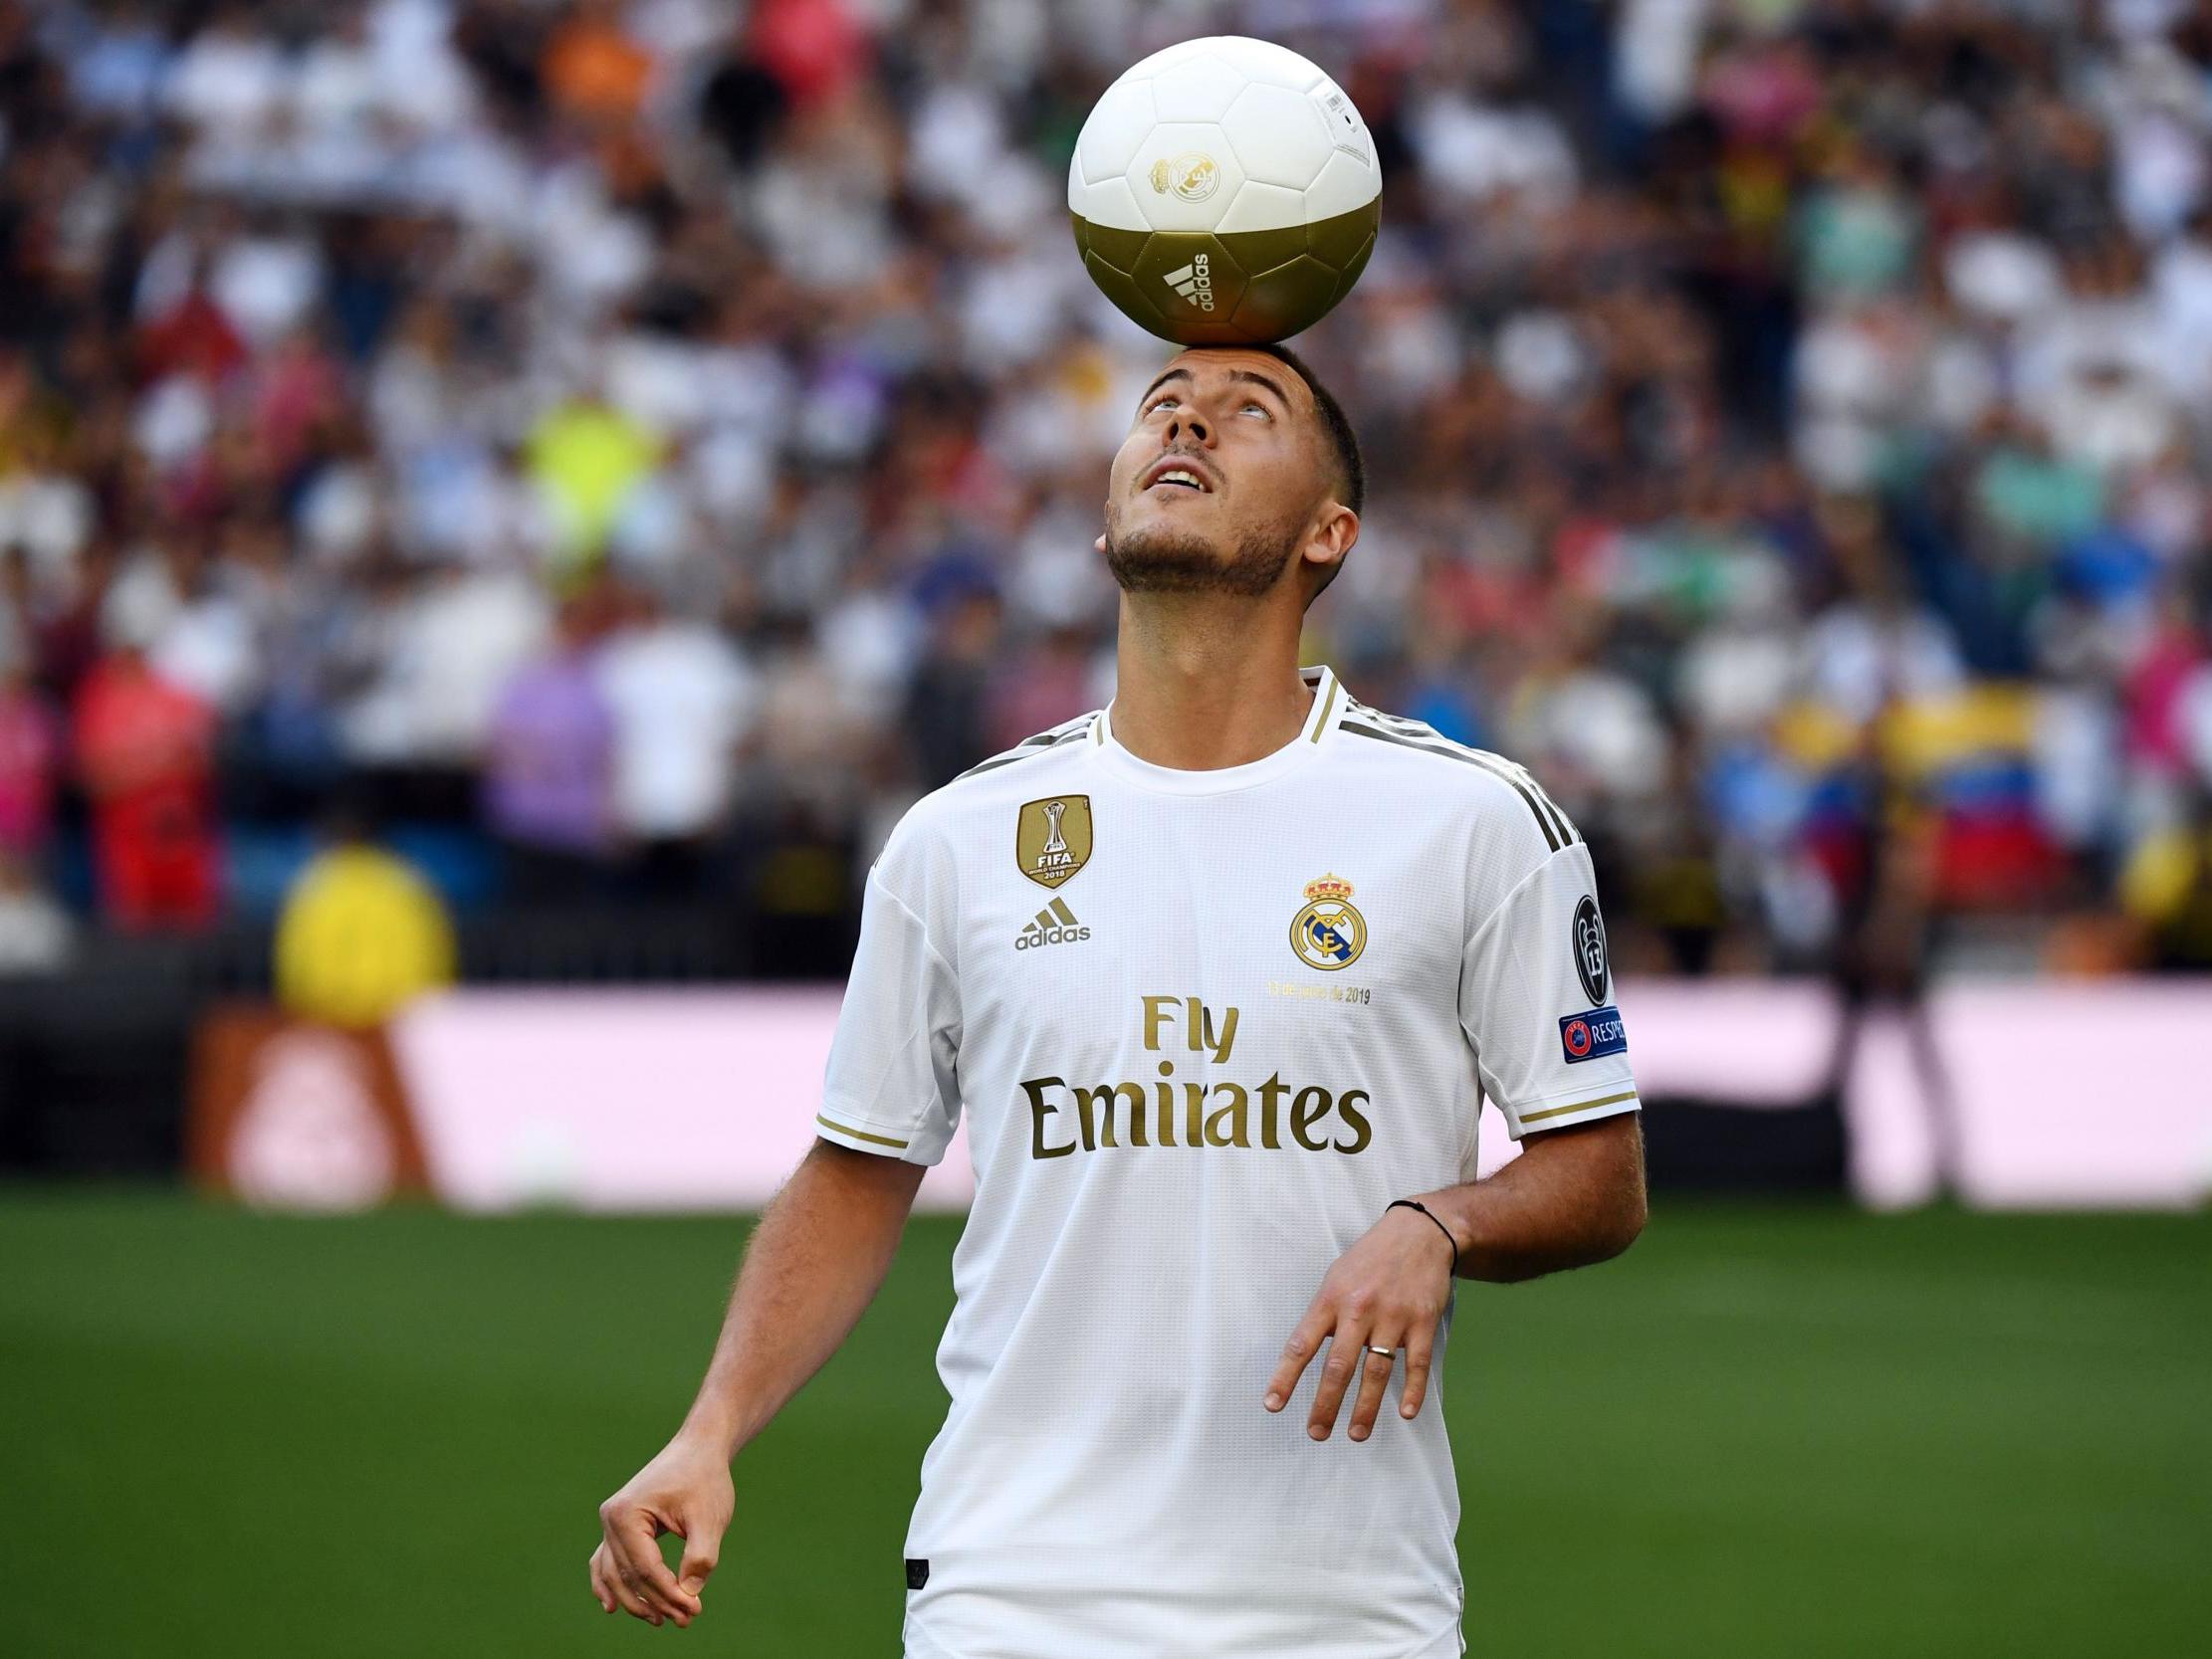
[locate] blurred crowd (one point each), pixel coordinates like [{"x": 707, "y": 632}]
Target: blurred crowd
[{"x": 632, "y": 447}]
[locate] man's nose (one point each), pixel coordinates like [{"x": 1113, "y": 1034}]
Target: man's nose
[{"x": 1187, "y": 421}]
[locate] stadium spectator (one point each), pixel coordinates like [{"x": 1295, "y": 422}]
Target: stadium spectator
[
  {"x": 945, "y": 713},
  {"x": 681, "y": 699},
  {"x": 30, "y": 753},
  {"x": 145, "y": 752},
  {"x": 548, "y": 768},
  {"x": 592, "y": 67},
  {"x": 36, "y": 933},
  {"x": 361, "y": 935},
  {"x": 2167, "y": 891}
]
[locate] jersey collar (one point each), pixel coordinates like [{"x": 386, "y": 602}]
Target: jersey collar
[{"x": 1330, "y": 701}]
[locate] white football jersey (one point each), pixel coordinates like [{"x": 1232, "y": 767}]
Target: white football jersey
[{"x": 1203, "y": 1027}]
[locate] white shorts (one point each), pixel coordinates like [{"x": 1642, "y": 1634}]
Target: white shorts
[{"x": 1451, "y": 1647}]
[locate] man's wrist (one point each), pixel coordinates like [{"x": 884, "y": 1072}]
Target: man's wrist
[
  {"x": 1451, "y": 1208},
  {"x": 1424, "y": 1211},
  {"x": 715, "y": 1430}
]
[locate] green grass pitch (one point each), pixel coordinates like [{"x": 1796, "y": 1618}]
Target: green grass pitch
[{"x": 1764, "y": 1432}]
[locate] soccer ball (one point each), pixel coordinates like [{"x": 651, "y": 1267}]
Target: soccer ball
[{"x": 1225, "y": 192}]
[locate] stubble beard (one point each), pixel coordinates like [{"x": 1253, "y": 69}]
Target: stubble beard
[{"x": 1166, "y": 561}]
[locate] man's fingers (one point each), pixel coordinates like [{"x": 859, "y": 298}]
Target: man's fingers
[
  {"x": 663, "y": 1595},
  {"x": 1420, "y": 1349},
  {"x": 700, "y": 1550},
  {"x": 1299, "y": 1351},
  {"x": 608, "y": 1583},
  {"x": 652, "y": 1605},
  {"x": 635, "y": 1535},
  {"x": 1337, "y": 1372},
  {"x": 625, "y": 1593},
  {"x": 1375, "y": 1369}
]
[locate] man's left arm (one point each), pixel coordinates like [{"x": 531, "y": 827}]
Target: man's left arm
[
  {"x": 1535, "y": 1000},
  {"x": 1573, "y": 1197}
]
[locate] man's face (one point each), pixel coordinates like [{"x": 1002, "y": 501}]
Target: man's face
[{"x": 1218, "y": 481}]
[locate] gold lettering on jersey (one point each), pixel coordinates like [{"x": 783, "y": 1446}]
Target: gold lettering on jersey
[
  {"x": 1098, "y": 1129},
  {"x": 1228, "y": 1040},
  {"x": 1066, "y": 1118},
  {"x": 1040, "y": 1110},
  {"x": 1360, "y": 996},
  {"x": 1159, "y": 1010},
  {"x": 1053, "y": 838},
  {"x": 1228, "y": 1125},
  {"x": 1198, "y": 1020}
]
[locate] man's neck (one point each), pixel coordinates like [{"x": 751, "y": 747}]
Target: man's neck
[{"x": 1204, "y": 681}]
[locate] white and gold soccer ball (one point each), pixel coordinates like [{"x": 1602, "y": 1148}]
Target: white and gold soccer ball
[{"x": 1225, "y": 192}]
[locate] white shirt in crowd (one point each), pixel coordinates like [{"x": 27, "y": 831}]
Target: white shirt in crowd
[{"x": 681, "y": 699}]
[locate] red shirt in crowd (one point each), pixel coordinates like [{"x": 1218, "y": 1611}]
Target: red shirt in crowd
[
  {"x": 146, "y": 749},
  {"x": 29, "y": 748}
]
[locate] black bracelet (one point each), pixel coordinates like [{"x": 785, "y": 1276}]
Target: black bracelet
[{"x": 1416, "y": 1205}]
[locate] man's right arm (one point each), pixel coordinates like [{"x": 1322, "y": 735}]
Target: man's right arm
[
  {"x": 815, "y": 1263},
  {"x": 821, "y": 1251}
]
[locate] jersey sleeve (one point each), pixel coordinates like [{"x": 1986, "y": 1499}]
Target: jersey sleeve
[
  {"x": 893, "y": 1086},
  {"x": 1536, "y": 1002}
]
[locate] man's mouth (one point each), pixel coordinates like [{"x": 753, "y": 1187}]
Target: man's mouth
[{"x": 1177, "y": 475}]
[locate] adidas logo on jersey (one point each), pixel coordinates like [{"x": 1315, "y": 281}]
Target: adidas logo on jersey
[
  {"x": 1194, "y": 281},
  {"x": 1053, "y": 925}
]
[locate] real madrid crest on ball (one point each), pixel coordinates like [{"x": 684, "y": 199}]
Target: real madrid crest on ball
[
  {"x": 1589, "y": 949},
  {"x": 1329, "y": 934}
]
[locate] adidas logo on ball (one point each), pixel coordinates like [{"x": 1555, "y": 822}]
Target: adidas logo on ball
[{"x": 1194, "y": 281}]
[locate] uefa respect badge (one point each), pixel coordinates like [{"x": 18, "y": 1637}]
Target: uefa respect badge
[{"x": 1591, "y": 1036}]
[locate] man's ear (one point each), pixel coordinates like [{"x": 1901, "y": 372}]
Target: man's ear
[{"x": 1334, "y": 531}]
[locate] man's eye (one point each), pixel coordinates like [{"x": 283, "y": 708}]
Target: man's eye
[
  {"x": 1160, "y": 403},
  {"x": 1260, "y": 409}
]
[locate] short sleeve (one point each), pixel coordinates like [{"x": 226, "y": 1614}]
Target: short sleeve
[
  {"x": 1536, "y": 1002},
  {"x": 893, "y": 1086}
]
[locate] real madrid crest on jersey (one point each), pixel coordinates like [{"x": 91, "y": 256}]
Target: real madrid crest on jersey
[
  {"x": 1329, "y": 934},
  {"x": 1052, "y": 840}
]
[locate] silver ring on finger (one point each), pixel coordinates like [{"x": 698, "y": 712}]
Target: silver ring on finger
[{"x": 1385, "y": 1352}]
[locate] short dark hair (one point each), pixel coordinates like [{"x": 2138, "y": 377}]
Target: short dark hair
[
  {"x": 1343, "y": 445},
  {"x": 1338, "y": 437},
  {"x": 1336, "y": 428}
]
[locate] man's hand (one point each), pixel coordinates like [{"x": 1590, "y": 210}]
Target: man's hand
[
  {"x": 817, "y": 1256},
  {"x": 687, "y": 1491},
  {"x": 1388, "y": 1289}
]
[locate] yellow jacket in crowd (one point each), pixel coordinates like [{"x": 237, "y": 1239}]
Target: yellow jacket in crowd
[{"x": 360, "y": 936}]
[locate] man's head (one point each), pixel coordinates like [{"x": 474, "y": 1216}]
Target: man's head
[{"x": 1239, "y": 474}]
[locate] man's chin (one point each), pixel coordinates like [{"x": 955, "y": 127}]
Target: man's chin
[
  {"x": 1167, "y": 562},
  {"x": 1163, "y": 561}
]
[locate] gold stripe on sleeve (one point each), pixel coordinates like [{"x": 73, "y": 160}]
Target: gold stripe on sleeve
[
  {"x": 1579, "y": 1106},
  {"x": 863, "y": 1135}
]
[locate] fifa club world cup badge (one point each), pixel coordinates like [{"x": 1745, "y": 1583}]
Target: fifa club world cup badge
[
  {"x": 1328, "y": 933},
  {"x": 1052, "y": 840}
]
